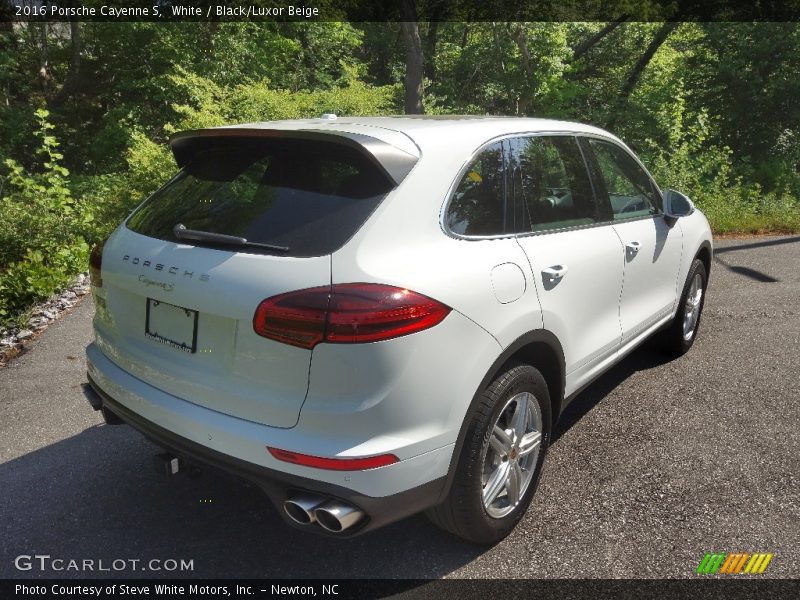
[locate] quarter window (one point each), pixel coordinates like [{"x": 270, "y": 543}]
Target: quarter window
[
  {"x": 629, "y": 189},
  {"x": 478, "y": 206},
  {"x": 549, "y": 183}
]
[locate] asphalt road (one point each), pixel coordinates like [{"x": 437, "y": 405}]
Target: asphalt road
[{"x": 655, "y": 464}]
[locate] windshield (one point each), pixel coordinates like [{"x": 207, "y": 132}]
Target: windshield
[{"x": 307, "y": 196}]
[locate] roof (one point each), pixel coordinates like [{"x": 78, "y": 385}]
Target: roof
[
  {"x": 428, "y": 130},
  {"x": 394, "y": 144}
]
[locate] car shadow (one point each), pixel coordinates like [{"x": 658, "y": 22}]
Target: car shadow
[
  {"x": 762, "y": 244},
  {"x": 96, "y": 496},
  {"x": 749, "y": 272},
  {"x": 643, "y": 358}
]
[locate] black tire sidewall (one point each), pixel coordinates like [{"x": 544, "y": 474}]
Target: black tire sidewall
[
  {"x": 512, "y": 381},
  {"x": 679, "y": 344}
]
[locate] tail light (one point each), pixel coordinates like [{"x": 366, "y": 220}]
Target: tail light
[
  {"x": 346, "y": 313},
  {"x": 95, "y": 262}
]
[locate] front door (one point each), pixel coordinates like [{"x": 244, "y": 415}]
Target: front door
[{"x": 652, "y": 244}]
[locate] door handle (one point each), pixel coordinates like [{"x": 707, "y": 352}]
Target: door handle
[
  {"x": 633, "y": 248},
  {"x": 555, "y": 273}
]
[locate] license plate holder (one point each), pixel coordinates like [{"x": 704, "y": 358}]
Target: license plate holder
[{"x": 171, "y": 325}]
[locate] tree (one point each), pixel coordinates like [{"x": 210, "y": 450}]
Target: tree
[
  {"x": 633, "y": 78},
  {"x": 71, "y": 83},
  {"x": 583, "y": 47},
  {"x": 414, "y": 58}
]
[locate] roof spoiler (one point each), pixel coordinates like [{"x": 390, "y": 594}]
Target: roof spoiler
[{"x": 393, "y": 161}]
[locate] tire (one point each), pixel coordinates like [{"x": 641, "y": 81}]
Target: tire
[
  {"x": 464, "y": 512},
  {"x": 679, "y": 337}
]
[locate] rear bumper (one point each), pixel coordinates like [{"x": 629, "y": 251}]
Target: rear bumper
[{"x": 276, "y": 484}]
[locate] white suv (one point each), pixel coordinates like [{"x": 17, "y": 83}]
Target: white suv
[{"x": 371, "y": 317}]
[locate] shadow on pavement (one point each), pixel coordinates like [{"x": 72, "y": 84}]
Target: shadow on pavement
[
  {"x": 643, "y": 358},
  {"x": 735, "y": 247},
  {"x": 96, "y": 496}
]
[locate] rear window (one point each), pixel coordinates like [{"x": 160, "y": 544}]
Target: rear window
[{"x": 307, "y": 196}]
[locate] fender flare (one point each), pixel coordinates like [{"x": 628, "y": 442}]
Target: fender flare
[
  {"x": 537, "y": 335},
  {"x": 706, "y": 245}
]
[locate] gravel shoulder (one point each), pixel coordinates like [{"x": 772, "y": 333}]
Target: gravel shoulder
[{"x": 655, "y": 464}]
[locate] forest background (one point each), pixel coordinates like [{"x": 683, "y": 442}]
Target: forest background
[{"x": 86, "y": 109}]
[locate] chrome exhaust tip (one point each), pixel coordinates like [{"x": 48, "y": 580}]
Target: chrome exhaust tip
[
  {"x": 300, "y": 508},
  {"x": 336, "y": 516}
]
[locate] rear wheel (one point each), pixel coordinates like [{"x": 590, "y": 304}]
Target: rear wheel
[{"x": 501, "y": 458}]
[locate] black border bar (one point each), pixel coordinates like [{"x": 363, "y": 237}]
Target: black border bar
[
  {"x": 733, "y": 588},
  {"x": 390, "y": 10}
]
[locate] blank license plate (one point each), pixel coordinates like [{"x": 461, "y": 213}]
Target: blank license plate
[{"x": 171, "y": 325}]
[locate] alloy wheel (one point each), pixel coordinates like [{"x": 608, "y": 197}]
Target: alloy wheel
[
  {"x": 691, "y": 312},
  {"x": 511, "y": 455}
]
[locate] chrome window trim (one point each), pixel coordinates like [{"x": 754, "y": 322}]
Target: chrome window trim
[{"x": 561, "y": 133}]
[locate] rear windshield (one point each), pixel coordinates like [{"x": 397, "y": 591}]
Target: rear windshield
[{"x": 307, "y": 196}]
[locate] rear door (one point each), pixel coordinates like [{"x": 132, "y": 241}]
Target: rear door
[
  {"x": 575, "y": 255},
  {"x": 177, "y": 312},
  {"x": 652, "y": 245}
]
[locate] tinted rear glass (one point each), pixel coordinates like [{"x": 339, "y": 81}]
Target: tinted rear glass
[{"x": 309, "y": 196}]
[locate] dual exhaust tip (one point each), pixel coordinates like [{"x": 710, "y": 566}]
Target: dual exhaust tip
[{"x": 332, "y": 515}]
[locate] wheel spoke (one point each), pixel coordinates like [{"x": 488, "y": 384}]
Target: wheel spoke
[
  {"x": 501, "y": 441},
  {"x": 520, "y": 419},
  {"x": 496, "y": 483},
  {"x": 514, "y": 483},
  {"x": 529, "y": 443},
  {"x": 502, "y": 438}
]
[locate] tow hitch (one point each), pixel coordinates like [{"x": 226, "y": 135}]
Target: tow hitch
[{"x": 166, "y": 464}]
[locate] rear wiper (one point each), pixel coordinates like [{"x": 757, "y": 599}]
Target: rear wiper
[{"x": 182, "y": 233}]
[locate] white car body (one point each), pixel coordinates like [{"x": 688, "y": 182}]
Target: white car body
[{"x": 409, "y": 396}]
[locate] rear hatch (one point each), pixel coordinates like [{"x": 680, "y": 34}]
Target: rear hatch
[{"x": 251, "y": 215}]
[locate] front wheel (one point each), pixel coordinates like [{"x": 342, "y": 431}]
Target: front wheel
[
  {"x": 684, "y": 327},
  {"x": 501, "y": 458}
]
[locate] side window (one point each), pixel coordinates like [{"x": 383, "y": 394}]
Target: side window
[
  {"x": 478, "y": 206},
  {"x": 630, "y": 191},
  {"x": 549, "y": 183}
]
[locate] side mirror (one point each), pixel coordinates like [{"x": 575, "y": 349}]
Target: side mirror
[{"x": 677, "y": 205}]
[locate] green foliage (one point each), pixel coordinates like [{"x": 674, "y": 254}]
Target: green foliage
[
  {"x": 150, "y": 163},
  {"x": 41, "y": 226},
  {"x": 210, "y": 104},
  {"x": 706, "y": 173},
  {"x": 713, "y": 112}
]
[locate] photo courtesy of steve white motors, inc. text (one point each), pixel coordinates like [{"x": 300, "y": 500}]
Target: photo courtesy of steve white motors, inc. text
[
  {"x": 169, "y": 589},
  {"x": 159, "y": 10}
]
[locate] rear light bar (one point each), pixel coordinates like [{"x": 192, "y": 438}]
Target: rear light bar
[
  {"x": 346, "y": 313},
  {"x": 334, "y": 464},
  {"x": 95, "y": 264}
]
